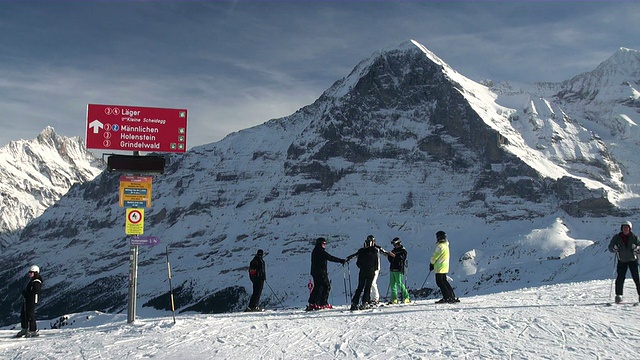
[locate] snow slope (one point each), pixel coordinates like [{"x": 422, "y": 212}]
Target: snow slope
[{"x": 564, "y": 321}]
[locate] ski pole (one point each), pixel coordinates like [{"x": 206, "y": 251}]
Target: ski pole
[
  {"x": 173, "y": 307},
  {"x": 614, "y": 274},
  {"x": 349, "y": 271},
  {"x": 425, "y": 280},
  {"x": 344, "y": 278},
  {"x": 406, "y": 272},
  {"x": 274, "y": 293},
  {"x": 332, "y": 297}
]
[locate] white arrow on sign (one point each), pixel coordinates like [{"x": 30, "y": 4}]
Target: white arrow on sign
[{"x": 96, "y": 124}]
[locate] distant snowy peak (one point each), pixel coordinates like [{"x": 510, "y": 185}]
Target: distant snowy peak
[
  {"x": 433, "y": 57},
  {"x": 35, "y": 173},
  {"x": 377, "y": 59},
  {"x": 625, "y": 62},
  {"x": 617, "y": 79}
]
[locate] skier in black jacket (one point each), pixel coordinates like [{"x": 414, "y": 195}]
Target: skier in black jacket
[
  {"x": 397, "y": 259},
  {"x": 30, "y": 298},
  {"x": 257, "y": 275},
  {"x": 368, "y": 262},
  {"x": 319, "y": 298},
  {"x": 626, "y": 245}
]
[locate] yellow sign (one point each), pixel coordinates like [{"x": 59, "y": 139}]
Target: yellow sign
[
  {"x": 135, "y": 191},
  {"x": 135, "y": 222}
]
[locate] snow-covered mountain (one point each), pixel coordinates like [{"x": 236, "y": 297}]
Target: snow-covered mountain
[
  {"x": 528, "y": 187},
  {"x": 34, "y": 174}
]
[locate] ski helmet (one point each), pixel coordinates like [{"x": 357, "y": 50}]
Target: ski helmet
[
  {"x": 34, "y": 268},
  {"x": 320, "y": 241},
  {"x": 396, "y": 241},
  {"x": 628, "y": 223},
  {"x": 260, "y": 252},
  {"x": 370, "y": 240},
  {"x": 441, "y": 235}
]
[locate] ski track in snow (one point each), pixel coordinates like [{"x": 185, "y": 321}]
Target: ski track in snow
[{"x": 564, "y": 321}]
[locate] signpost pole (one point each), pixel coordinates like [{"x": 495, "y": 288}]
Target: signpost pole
[
  {"x": 133, "y": 283},
  {"x": 133, "y": 278},
  {"x": 136, "y": 128}
]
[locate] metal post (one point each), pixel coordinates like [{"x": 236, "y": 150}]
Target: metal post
[{"x": 133, "y": 283}]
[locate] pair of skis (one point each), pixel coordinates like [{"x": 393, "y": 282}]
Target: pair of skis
[{"x": 622, "y": 303}]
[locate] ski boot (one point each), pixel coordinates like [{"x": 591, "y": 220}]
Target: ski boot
[
  {"x": 406, "y": 301},
  {"x": 22, "y": 333},
  {"x": 618, "y": 299},
  {"x": 312, "y": 307},
  {"x": 31, "y": 334}
]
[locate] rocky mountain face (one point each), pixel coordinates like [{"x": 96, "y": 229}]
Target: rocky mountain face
[
  {"x": 522, "y": 179},
  {"x": 34, "y": 174}
]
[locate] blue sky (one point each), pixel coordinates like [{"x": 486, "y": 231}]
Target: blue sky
[{"x": 238, "y": 64}]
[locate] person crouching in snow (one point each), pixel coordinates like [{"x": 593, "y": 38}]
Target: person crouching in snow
[{"x": 440, "y": 263}]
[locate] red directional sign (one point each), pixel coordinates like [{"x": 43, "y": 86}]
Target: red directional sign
[{"x": 135, "y": 128}]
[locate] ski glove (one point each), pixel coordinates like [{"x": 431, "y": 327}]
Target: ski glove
[
  {"x": 615, "y": 248},
  {"x": 431, "y": 267}
]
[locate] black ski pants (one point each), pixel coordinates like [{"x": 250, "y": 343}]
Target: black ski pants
[
  {"x": 445, "y": 287},
  {"x": 365, "y": 279},
  {"x": 28, "y": 316},
  {"x": 257, "y": 291},
  {"x": 622, "y": 273},
  {"x": 321, "y": 288}
]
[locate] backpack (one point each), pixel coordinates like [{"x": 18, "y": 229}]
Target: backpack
[{"x": 253, "y": 269}]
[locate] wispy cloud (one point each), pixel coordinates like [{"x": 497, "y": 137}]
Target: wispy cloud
[{"x": 238, "y": 64}]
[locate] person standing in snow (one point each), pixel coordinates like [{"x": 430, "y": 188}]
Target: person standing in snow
[
  {"x": 319, "y": 297},
  {"x": 397, "y": 258},
  {"x": 257, "y": 275},
  {"x": 440, "y": 263},
  {"x": 626, "y": 246},
  {"x": 375, "y": 294},
  {"x": 368, "y": 261},
  {"x": 30, "y": 298}
]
